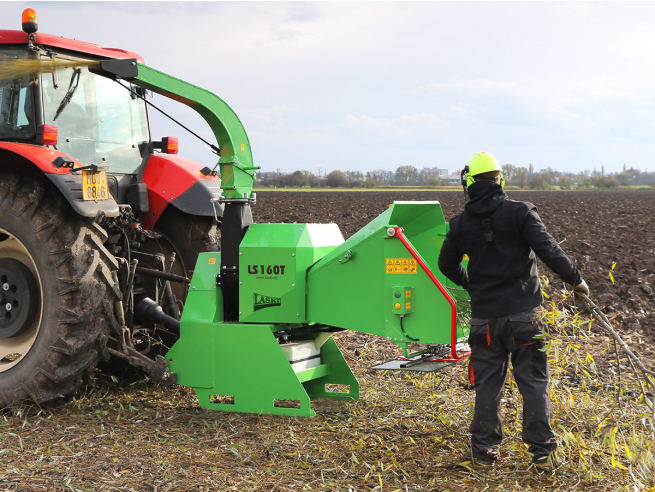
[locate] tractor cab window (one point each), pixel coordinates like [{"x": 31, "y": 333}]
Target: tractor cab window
[
  {"x": 16, "y": 97},
  {"x": 98, "y": 120}
]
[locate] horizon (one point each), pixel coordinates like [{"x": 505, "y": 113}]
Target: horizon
[{"x": 585, "y": 172}]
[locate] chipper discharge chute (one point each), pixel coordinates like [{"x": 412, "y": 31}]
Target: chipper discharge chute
[{"x": 300, "y": 283}]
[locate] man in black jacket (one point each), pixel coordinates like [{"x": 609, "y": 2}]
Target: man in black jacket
[{"x": 500, "y": 237}]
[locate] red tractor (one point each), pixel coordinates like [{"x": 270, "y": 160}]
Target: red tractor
[{"x": 99, "y": 223}]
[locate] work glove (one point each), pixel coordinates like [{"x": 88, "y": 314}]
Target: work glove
[{"x": 581, "y": 288}]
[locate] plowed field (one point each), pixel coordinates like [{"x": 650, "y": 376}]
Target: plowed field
[
  {"x": 408, "y": 431},
  {"x": 595, "y": 229}
]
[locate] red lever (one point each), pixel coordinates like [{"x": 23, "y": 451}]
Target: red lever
[{"x": 453, "y": 331}]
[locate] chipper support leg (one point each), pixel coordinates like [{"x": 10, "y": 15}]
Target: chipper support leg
[
  {"x": 340, "y": 374},
  {"x": 251, "y": 374}
]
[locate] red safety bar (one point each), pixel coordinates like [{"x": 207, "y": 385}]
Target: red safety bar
[{"x": 398, "y": 232}]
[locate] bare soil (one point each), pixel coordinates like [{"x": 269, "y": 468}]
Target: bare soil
[{"x": 595, "y": 228}]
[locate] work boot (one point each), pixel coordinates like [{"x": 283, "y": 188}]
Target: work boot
[
  {"x": 482, "y": 461},
  {"x": 544, "y": 463}
]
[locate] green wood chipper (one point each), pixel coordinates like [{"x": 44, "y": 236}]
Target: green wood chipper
[{"x": 256, "y": 331}]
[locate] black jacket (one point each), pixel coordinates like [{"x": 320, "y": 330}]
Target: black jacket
[{"x": 500, "y": 237}]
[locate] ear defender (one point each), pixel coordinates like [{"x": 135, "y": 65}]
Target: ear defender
[{"x": 469, "y": 179}]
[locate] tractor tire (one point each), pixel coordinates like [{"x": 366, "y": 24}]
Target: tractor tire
[{"x": 54, "y": 267}]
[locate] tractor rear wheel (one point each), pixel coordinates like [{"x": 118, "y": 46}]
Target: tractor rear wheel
[{"x": 57, "y": 292}]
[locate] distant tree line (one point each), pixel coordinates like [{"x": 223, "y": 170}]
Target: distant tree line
[
  {"x": 407, "y": 175},
  {"x": 403, "y": 176},
  {"x": 549, "y": 178}
]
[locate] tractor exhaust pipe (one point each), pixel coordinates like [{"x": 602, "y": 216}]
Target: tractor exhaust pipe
[{"x": 148, "y": 311}]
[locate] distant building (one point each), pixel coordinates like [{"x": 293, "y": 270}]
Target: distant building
[
  {"x": 435, "y": 171},
  {"x": 381, "y": 176},
  {"x": 451, "y": 180}
]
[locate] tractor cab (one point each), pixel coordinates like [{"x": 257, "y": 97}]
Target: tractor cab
[
  {"x": 95, "y": 119},
  {"x": 54, "y": 94},
  {"x": 46, "y": 84}
]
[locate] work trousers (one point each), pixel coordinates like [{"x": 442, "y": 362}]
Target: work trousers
[{"x": 494, "y": 342}]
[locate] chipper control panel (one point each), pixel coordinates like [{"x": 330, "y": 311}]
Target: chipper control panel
[{"x": 402, "y": 300}]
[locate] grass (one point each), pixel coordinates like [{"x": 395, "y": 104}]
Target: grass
[{"x": 408, "y": 432}]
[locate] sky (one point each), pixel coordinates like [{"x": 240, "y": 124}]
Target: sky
[{"x": 321, "y": 86}]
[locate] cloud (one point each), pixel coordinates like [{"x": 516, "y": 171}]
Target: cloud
[
  {"x": 373, "y": 81},
  {"x": 268, "y": 119},
  {"x": 411, "y": 131},
  {"x": 385, "y": 131},
  {"x": 564, "y": 113},
  {"x": 303, "y": 12}
]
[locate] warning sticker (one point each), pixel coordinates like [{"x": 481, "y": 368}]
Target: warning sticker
[
  {"x": 212, "y": 261},
  {"x": 400, "y": 265}
]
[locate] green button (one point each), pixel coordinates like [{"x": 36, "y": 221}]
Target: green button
[{"x": 397, "y": 294}]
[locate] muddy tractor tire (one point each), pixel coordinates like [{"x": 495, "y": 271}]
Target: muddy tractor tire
[{"x": 57, "y": 292}]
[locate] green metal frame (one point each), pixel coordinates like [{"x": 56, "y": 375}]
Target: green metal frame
[
  {"x": 240, "y": 366},
  {"x": 251, "y": 371}
]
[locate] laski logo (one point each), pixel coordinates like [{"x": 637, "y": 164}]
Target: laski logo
[{"x": 262, "y": 302}]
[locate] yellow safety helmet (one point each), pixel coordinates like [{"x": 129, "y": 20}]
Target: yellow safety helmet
[{"x": 480, "y": 163}]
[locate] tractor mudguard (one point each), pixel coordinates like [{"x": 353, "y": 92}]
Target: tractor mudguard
[
  {"x": 70, "y": 185},
  {"x": 177, "y": 180},
  {"x": 196, "y": 200}
]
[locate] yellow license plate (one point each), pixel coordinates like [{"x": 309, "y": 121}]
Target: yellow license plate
[{"x": 94, "y": 185}]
